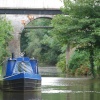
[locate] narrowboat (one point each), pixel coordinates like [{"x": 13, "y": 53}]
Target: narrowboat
[{"x": 21, "y": 74}]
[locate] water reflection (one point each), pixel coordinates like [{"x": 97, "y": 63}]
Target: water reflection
[
  {"x": 57, "y": 88},
  {"x": 21, "y": 96}
]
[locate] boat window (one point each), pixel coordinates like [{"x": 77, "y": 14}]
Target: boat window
[{"x": 23, "y": 67}]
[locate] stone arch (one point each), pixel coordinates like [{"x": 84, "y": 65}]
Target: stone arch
[
  {"x": 19, "y": 22},
  {"x": 34, "y": 17}
]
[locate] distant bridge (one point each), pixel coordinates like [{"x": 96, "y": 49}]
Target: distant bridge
[
  {"x": 21, "y": 12},
  {"x": 50, "y": 7},
  {"x": 30, "y": 11}
]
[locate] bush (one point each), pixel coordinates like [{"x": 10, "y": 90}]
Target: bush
[
  {"x": 0, "y": 70},
  {"x": 78, "y": 63},
  {"x": 62, "y": 65},
  {"x": 82, "y": 70}
]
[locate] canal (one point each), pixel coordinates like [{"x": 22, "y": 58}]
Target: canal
[{"x": 59, "y": 88}]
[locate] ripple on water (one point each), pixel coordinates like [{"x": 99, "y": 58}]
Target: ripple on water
[
  {"x": 57, "y": 81},
  {"x": 56, "y": 91},
  {"x": 68, "y": 91},
  {"x": 67, "y": 85}
]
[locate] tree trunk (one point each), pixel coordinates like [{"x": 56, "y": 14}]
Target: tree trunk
[
  {"x": 67, "y": 53},
  {"x": 92, "y": 61}
]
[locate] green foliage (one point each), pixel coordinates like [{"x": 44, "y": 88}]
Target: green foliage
[
  {"x": 78, "y": 61},
  {"x": 40, "y": 44},
  {"x": 23, "y": 41},
  {"x": 80, "y": 27},
  {"x": 62, "y": 65},
  {"x": 0, "y": 70},
  {"x": 62, "y": 59},
  {"x": 32, "y": 38},
  {"x": 82, "y": 70},
  {"x": 78, "y": 58},
  {"x": 5, "y": 36},
  {"x": 97, "y": 61},
  {"x": 51, "y": 49}
]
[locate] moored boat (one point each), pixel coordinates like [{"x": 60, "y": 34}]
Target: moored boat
[{"x": 21, "y": 74}]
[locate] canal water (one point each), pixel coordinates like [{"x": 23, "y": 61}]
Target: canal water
[{"x": 59, "y": 88}]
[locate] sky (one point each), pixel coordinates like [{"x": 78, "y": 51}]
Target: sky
[{"x": 31, "y": 4}]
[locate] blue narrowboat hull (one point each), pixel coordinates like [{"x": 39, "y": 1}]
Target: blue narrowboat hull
[
  {"x": 21, "y": 74},
  {"x": 22, "y": 82}
]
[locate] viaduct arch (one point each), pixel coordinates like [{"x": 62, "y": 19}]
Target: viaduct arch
[
  {"x": 19, "y": 22},
  {"x": 21, "y": 12}
]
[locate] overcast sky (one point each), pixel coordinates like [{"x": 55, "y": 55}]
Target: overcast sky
[{"x": 31, "y": 3}]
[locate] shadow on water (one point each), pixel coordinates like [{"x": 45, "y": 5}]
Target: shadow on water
[{"x": 20, "y": 96}]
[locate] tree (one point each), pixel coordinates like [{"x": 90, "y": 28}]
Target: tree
[
  {"x": 79, "y": 26},
  {"x": 5, "y": 37},
  {"x": 38, "y": 43}
]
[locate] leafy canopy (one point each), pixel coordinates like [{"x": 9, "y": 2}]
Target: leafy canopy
[
  {"x": 5, "y": 36},
  {"x": 39, "y": 43},
  {"x": 79, "y": 25}
]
